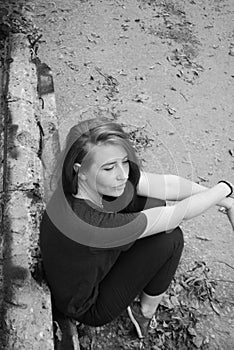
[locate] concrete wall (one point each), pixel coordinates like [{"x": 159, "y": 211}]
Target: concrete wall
[{"x": 26, "y": 318}]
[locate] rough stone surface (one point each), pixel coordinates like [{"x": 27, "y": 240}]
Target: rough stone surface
[
  {"x": 26, "y": 318},
  {"x": 51, "y": 144}
]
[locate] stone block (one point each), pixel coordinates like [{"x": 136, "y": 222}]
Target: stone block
[{"x": 25, "y": 303}]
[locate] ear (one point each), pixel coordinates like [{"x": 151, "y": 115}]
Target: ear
[
  {"x": 81, "y": 175},
  {"x": 76, "y": 167}
]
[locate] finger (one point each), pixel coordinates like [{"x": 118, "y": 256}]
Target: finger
[{"x": 230, "y": 215}]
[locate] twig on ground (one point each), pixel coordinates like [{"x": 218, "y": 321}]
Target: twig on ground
[{"x": 224, "y": 262}]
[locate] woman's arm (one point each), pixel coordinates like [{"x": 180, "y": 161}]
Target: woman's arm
[
  {"x": 172, "y": 188},
  {"x": 167, "y": 218}
]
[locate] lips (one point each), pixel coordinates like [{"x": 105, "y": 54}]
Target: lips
[{"x": 120, "y": 186}]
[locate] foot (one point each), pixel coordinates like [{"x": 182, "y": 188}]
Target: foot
[{"x": 140, "y": 322}]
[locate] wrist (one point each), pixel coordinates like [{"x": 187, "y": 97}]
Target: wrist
[
  {"x": 231, "y": 206},
  {"x": 228, "y": 186},
  {"x": 227, "y": 203}
]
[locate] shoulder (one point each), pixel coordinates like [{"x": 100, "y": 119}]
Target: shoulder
[
  {"x": 103, "y": 218},
  {"x": 97, "y": 228}
]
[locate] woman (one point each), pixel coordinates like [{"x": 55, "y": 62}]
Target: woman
[{"x": 107, "y": 236}]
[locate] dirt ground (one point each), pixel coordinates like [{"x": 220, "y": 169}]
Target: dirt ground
[{"x": 165, "y": 69}]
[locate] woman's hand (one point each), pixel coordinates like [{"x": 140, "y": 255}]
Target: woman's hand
[
  {"x": 227, "y": 208},
  {"x": 230, "y": 215}
]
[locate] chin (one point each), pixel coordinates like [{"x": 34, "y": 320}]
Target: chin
[{"x": 117, "y": 193}]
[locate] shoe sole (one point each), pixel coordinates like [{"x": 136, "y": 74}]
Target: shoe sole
[{"x": 136, "y": 324}]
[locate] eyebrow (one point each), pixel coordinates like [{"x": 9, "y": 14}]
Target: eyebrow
[{"x": 111, "y": 163}]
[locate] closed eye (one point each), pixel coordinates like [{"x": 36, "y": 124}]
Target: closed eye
[
  {"x": 108, "y": 169},
  {"x": 124, "y": 162}
]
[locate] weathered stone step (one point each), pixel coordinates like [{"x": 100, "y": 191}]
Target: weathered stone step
[{"x": 28, "y": 149}]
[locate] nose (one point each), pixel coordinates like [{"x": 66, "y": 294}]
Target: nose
[{"x": 122, "y": 173}]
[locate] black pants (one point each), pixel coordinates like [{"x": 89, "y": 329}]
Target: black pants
[{"x": 149, "y": 266}]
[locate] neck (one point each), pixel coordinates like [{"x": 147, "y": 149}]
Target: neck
[{"x": 85, "y": 192}]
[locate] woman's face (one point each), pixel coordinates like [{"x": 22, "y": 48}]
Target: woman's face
[{"x": 108, "y": 173}]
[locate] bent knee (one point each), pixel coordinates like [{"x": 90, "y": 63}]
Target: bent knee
[
  {"x": 176, "y": 236},
  {"x": 179, "y": 237},
  {"x": 179, "y": 233}
]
